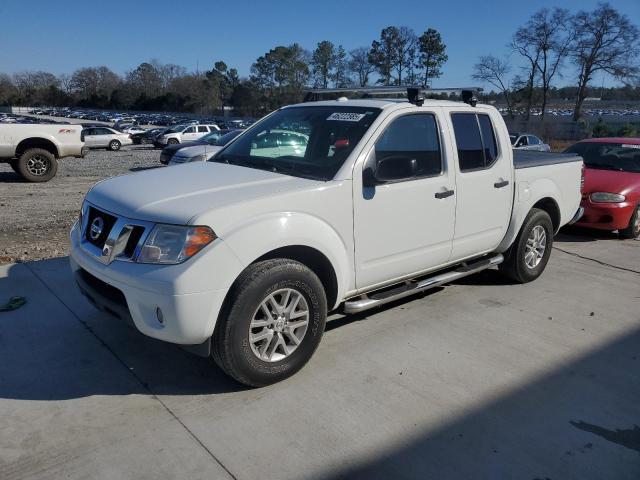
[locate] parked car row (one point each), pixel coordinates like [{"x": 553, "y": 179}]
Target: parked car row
[
  {"x": 567, "y": 112},
  {"x": 160, "y": 119}
]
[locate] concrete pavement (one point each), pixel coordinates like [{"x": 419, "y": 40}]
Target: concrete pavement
[{"x": 481, "y": 379}]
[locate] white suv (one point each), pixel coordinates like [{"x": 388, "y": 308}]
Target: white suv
[{"x": 188, "y": 133}]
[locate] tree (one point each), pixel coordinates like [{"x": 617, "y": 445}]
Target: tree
[
  {"x": 544, "y": 41},
  {"x": 340, "y": 68},
  {"x": 7, "y": 90},
  {"x": 281, "y": 74},
  {"x": 493, "y": 70},
  {"x": 406, "y": 43},
  {"x": 323, "y": 60},
  {"x": 432, "y": 55},
  {"x": 359, "y": 65},
  {"x": 605, "y": 41},
  {"x": 384, "y": 53}
]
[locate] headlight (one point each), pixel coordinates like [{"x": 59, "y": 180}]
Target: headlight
[
  {"x": 606, "y": 197},
  {"x": 197, "y": 158},
  {"x": 171, "y": 244}
]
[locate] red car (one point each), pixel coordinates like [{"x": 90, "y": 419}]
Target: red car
[{"x": 611, "y": 193}]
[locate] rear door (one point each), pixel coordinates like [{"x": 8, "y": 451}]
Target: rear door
[
  {"x": 405, "y": 227},
  {"x": 484, "y": 179}
]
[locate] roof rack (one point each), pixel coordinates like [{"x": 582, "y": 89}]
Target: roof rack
[{"x": 414, "y": 93}]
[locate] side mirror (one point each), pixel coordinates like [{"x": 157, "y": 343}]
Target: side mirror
[{"x": 390, "y": 169}]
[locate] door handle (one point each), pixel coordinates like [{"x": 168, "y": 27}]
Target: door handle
[
  {"x": 501, "y": 184},
  {"x": 445, "y": 194}
]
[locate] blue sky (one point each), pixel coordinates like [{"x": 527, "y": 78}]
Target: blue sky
[{"x": 62, "y": 35}]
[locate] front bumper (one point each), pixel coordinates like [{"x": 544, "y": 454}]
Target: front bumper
[
  {"x": 606, "y": 216},
  {"x": 136, "y": 292}
]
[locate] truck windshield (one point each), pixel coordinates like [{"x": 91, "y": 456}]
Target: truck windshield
[
  {"x": 309, "y": 141},
  {"x": 609, "y": 156}
]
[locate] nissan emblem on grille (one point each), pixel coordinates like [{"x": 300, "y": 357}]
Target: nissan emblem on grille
[{"x": 96, "y": 228}]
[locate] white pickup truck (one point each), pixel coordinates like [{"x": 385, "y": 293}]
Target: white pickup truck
[
  {"x": 242, "y": 256},
  {"x": 33, "y": 149}
]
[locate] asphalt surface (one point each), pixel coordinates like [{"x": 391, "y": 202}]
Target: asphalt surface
[{"x": 480, "y": 379}]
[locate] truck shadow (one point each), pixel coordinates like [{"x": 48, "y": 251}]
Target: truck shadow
[
  {"x": 58, "y": 347},
  {"x": 10, "y": 177},
  {"x": 578, "y": 420}
]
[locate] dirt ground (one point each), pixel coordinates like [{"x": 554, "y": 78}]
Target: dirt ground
[{"x": 35, "y": 218}]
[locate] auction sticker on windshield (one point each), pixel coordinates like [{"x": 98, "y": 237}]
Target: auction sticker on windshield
[{"x": 346, "y": 116}]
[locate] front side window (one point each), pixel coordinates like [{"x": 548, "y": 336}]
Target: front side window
[
  {"x": 203, "y": 129},
  {"x": 190, "y": 130},
  {"x": 414, "y": 136},
  {"x": 475, "y": 141},
  {"x": 306, "y": 141},
  {"x": 533, "y": 140}
]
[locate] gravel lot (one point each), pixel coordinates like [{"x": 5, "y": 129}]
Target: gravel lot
[{"x": 36, "y": 218}]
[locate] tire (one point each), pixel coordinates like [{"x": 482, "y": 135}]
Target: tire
[
  {"x": 527, "y": 258},
  {"x": 114, "y": 145},
  {"x": 633, "y": 230},
  {"x": 265, "y": 361},
  {"x": 172, "y": 141},
  {"x": 37, "y": 165}
]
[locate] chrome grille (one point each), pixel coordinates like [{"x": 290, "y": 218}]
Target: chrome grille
[{"x": 119, "y": 238}]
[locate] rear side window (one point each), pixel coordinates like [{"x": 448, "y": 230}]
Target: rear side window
[
  {"x": 415, "y": 136},
  {"x": 475, "y": 140},
  {"x": 202, "y": 129}
]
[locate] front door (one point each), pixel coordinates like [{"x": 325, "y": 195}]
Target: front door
[
  {"x": 405, "y": 227},
  {"x": 485, "y": 184}
]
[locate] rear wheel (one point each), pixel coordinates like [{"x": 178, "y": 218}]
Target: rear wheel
[
  {"x": 273, "y": 323},
  {"x": 37, "y": 165},
  {"x": 114, "y": 145},
  {"x": 633, "y": 230},
  {"x": 528, "y": 256}
]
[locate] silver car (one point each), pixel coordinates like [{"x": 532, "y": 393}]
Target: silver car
[
  {"x": 105, "y": 137},
  {"x": 203, "y": 150},
  {"x": 526, "y": 141}
]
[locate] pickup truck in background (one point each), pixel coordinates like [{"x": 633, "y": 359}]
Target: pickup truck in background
[
  {"x": 33, "y": 150},
  {"x": 242, "y": 256}
]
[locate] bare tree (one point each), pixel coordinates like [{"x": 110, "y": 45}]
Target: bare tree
[
  {"x": 544, "y": 41},
  {"x": 359, "y": 65},
  {"x": 493, "y": 70},
  {"x": 605, "y": 41}
]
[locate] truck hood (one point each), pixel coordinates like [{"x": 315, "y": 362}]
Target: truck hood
[
  {"x": 599, "y": 180},
  {"x": 178, "y": 194}
]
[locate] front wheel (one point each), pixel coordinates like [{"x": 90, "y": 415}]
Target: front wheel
[
  {"x": 527, "y": 258},
  {"x": 172, "y": 141},
  {"x": 633, "y": 230},
  {"x": 272, "y": 324},
  {"x": 114, "y": 145}
]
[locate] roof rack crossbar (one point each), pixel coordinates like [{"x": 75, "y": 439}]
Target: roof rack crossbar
[{"x": 413, "y": 93}]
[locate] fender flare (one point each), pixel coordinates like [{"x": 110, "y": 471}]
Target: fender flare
[
  {"x": 292, "y": 229},
  {"x": 528, "y": 195}
]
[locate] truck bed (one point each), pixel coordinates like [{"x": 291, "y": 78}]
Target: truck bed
[{"x": 529, "y": 159}]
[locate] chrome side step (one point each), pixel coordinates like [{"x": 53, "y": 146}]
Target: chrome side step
[{"x": 413, "y": 286}]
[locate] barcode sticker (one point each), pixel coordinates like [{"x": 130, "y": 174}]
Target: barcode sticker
[
  {"x": 624, "y": 145},
  {"x": 346, "y": 117}
]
